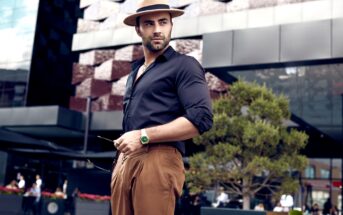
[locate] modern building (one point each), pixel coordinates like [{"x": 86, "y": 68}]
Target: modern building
[
  {"x": 35, "y": 75},
  {"x": 293, "y": 46}
]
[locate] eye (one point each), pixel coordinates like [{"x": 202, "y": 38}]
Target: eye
[
  {"x": 148, "y": 24},
  {"x": 163, "y": 22}
]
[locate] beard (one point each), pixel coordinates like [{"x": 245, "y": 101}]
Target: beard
[{"x": 153, "y": 47}]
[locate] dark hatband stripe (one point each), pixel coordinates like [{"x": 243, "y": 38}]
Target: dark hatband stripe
[{"x": 153, "y": 7}]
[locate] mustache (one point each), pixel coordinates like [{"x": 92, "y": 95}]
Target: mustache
[{"x": 157, "y": 38}]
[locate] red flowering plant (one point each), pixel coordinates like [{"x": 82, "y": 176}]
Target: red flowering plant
[
  {"x": 52, "y": 195},
  {"x": 93, "y": 197},
  {"x": 5, "y": 190}
]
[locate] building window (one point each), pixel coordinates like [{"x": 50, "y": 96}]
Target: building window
[
  {"x": 17, "y": 22},
  {"x": 324, "y": 173},
  {"x": 310, "y": 172}
]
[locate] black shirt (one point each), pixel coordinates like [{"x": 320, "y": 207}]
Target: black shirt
[{"x": 171, "y": 87}]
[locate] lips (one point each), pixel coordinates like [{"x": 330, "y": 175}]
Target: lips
[{"x": 159, "y": 38}]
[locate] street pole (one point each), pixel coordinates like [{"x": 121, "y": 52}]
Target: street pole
[
  {"x": 342, "y": 184},
  {"x": 342, "y": 156},
  {"x": 87, "y": 125},
  {"x": 330, "y": 178}
]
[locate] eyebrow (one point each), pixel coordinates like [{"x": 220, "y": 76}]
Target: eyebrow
[
  {"x": 159, "y": 20},
  {"x": 163, "y": 19}
]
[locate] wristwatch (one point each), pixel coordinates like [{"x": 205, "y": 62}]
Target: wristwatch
[{"x": 144, "y": 137}]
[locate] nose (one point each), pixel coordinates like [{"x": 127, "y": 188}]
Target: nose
[{"x": 157, "y": 29}]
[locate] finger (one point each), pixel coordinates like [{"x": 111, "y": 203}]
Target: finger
[
  {"x": 129, "y": 152},
  {"x": 120, "y": 140},
  {"x": 124, "y": 150},
  {"x": 115, "y": 143},
  {"x": 121, "y": 147}
]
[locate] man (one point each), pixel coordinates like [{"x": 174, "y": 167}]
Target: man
[
  {"x": 39, "y": 182},
  {"x": 166, "y": 102},
  {"x": 222, "y": 199},
  {"x": 21, "y": 183},
  {"x": 327, "y": 206},
  {"x": 32, "y": 198},
  {"x": 286, "y": 202}
]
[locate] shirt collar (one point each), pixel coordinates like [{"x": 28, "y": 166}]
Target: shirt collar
[
  {"x": 168, "y": 53},
  {"x": 165, "y": 56}
]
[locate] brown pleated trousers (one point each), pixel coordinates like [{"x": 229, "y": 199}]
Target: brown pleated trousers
[{"x": 148, "y": 182}]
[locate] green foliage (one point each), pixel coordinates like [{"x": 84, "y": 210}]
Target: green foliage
[
  {"x": 249, "y": 148},
  {"x": 294, "y": 212}
]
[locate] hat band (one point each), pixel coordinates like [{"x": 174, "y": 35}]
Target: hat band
[{"x": 153, "y": 7}]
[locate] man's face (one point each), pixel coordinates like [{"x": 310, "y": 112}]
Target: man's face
[{"x": 155, "y": 30}]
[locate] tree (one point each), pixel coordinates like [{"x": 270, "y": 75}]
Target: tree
[{"x": 249, "y": 147}]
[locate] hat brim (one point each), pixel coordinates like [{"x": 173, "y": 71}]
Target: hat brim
[{"x": 131, "y": 20}]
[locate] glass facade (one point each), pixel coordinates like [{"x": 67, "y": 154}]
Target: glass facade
[
  {"x": 315, "y": 92},
  {"x": 320, "y": 197},
  {"x": 17, "y": 29},
  {"x": 323, "y": 183}
]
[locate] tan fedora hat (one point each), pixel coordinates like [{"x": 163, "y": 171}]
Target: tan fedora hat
[{"x": 151, "y": 6}]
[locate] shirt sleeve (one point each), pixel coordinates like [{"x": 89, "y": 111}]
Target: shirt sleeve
[{"x": 194, "y": 95}]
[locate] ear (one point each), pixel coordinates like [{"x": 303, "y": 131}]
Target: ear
[{"x": 138, "y": 31}]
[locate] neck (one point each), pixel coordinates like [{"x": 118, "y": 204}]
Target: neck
[{"x": 150, "y": 56}]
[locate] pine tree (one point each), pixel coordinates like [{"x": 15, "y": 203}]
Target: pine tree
[{"x": 249, "y": 147}]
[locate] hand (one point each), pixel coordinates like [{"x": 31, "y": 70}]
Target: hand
[{"x": 129, "y": 142}]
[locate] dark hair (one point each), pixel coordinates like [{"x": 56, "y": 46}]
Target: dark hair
[{"x": 137, "y": 21}]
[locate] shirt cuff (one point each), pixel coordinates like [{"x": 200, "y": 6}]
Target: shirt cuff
[{"x": 200, "y": 118}]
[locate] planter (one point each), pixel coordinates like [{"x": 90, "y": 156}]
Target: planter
[
  {"x": 10, "y": 204},
  {"x": 89, "y": 207},
  {"x": 277, "y": 213},
  {"x": 52, "y": 206},
  {"x": 227, "y": 211},
  {"x": 294, "y": 212}
]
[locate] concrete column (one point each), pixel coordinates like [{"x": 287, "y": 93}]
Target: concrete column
[{"x": 3, "y": 165}]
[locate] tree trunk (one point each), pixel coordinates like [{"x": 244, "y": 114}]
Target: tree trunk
[
  {"x": 246, "y": 202},
  {"x": 246, "y": 194}
]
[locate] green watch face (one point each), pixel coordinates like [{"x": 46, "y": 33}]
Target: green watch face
[{"x": 144, "y": 139}]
